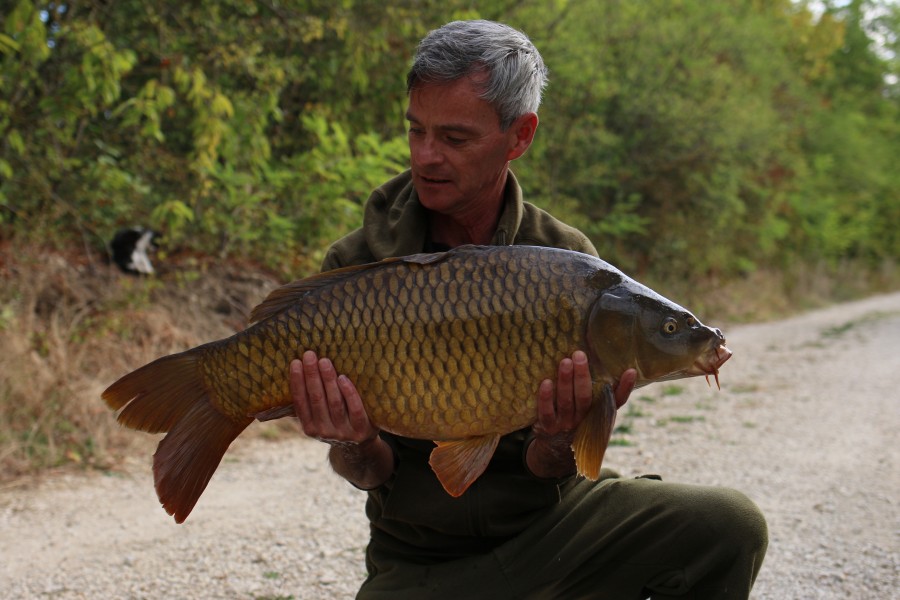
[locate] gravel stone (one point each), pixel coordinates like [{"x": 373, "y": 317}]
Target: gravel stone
[{"x": 806, "y": 424}]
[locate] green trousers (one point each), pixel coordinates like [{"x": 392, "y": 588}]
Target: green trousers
[{"x": 617, "y": 539}]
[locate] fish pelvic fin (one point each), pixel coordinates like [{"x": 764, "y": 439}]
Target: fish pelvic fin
[
  {"x": 459, "y": 463},
  {"x": 279, "y": 412},
  {"x": 169, "y": 395},
  {"x": 593, "y": 434}
]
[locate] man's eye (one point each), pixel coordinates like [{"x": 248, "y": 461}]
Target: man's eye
[{"x": 455, "y": 141}]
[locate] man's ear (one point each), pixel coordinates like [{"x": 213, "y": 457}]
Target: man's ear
[{"x": 521, "y": 133}]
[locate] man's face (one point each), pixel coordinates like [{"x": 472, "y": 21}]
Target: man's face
[{"x": 458, "y": 154}]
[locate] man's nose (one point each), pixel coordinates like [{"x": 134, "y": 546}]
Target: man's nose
[{"x": 425, "y": 152}]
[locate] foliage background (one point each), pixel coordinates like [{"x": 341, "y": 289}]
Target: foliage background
[
  {"x": 739, "y": 156},
  {"x": 685, "y": 137}
]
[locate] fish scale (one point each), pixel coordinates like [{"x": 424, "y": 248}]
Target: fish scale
[
  {"x": 444, "y": 360},
  {"x": 449, "y": 347},
  {"x": 453, "y": 339}
]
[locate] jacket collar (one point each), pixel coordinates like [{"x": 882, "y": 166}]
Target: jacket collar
[{"x": 396, "y": 224}]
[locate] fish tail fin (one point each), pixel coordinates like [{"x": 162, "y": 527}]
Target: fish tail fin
[
  {"x": 169, "y": 395},
  {"x": 187, "y": 457},
  {"x": 593, "y": 435}
]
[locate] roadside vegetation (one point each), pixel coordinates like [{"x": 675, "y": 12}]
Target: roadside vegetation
[{"x": 738, "y": 156}]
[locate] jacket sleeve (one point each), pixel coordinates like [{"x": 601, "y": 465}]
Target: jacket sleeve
[{"x": 351, "y": 249}]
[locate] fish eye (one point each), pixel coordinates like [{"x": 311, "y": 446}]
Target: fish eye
[{"x": 669, "y": 326}]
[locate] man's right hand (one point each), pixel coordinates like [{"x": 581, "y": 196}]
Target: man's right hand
[
  {"x": 328, "y": 405},
  {"x": 330, "y": 410}
]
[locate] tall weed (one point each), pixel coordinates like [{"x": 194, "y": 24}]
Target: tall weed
[{"x": 68, "y": 329}]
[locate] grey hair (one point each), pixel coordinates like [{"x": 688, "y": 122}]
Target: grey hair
[{"x": 515, "y": 69}]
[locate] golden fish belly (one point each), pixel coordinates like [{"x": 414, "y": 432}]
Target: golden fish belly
[{"x": 441, "y": 351}]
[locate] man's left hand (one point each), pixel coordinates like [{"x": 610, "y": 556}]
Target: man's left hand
[{"x": 561, "y": 408}]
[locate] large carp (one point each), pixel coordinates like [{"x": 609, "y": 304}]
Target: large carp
[{"x": 449, "y": 347}]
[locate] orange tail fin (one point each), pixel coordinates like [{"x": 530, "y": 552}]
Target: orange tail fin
[{"x": 168, "y": 395}]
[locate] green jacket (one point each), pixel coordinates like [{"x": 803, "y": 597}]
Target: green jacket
[
  {"x": 411, "y": 515},
  {"x": 395, "y": 224}
]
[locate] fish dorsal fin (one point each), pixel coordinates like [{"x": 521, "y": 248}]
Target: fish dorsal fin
[
  {"x": 281, "y": 298},
  {"x": 459, "y": 463},
  {"x": 592, "y": 435},
  {"x": 425, "y": 258}
]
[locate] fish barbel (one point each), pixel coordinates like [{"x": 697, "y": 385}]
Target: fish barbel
[{"x": 449, "y": 347}]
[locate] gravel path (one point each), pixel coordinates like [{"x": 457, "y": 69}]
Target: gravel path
[{"x": 806, "y": 423}]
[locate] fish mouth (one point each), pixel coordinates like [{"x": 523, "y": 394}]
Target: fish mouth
[{"x": 710, "y": 363}]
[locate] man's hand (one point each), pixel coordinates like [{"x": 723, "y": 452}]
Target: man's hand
[
  {"x": 328, "y": 405},
  {"x": 330, "y": 409},
  {"x": 560, "y": 413},
  {"x": 624, "y": 387}
]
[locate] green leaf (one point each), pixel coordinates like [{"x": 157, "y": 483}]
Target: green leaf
[
  {"x": 15, "y": 141},
  {"x": 8, "y": 45}
]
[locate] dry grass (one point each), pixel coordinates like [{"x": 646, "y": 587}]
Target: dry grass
[
  {"x": 768, "y": 294},
  {"x": 69, "y": 327}
]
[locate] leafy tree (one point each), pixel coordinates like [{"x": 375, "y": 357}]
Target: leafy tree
[
  {"x": 193, "y": 115},
  {"x": 685, "y": 137},
  {"x": 668, "y": 128},
  {"x": 846, "y": 203}
]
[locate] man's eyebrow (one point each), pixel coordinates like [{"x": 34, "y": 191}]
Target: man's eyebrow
[{"x": 458, "y": 127}]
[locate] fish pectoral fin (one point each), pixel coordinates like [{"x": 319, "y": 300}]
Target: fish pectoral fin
[
  {"x": 593, "y": 434},
  {"x": 276, "y": 413},
  {"x": 459, "y": 463}
]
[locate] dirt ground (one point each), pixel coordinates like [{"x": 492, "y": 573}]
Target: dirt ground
[{"x": 806, "y": 424}]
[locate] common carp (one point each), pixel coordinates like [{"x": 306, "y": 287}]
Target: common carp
[{"x": 449, "y": 347}]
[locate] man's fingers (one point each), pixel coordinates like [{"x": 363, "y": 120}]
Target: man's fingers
[
  {"x": 298, "y": 391},
  {"x": 546, "y": 409},
  {"x": 328, "y": 405},
  {"x": 333, "y": 397},
  {"x": 565, "y": 402},
  {"x": 582, "y": 385},
  {"x": 314, "y": 390},
  {"x": 319, "y": 423},
  {"x": 356, "y": 411},
  {"x": 624, "y": 387}
]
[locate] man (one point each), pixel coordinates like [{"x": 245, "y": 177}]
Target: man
[{"x": 527, "y": 528}]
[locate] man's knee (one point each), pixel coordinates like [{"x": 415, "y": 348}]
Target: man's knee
[
  {"x": 735, "y": 543},
  {"x": 723, "y": 537},
  {"x": 740, "y": 521},
  {"x": 719, "y": 521}
]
